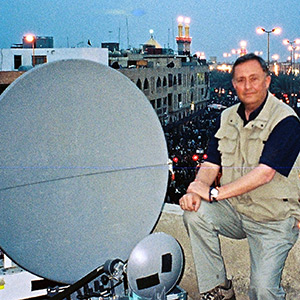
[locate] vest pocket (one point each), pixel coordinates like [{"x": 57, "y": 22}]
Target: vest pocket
[
  {"x": 227, "y": 145},
  {"x": 227, "y": 148},
  {"x": 256, "y": 143}
]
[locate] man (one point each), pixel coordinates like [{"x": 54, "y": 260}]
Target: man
[{"x": 256, "y": 147}]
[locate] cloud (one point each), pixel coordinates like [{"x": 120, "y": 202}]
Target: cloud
[
  {"x": 116, "y": 12},
  {"x": 138, "y": 12},
  {"x": 121, "y": 12}
]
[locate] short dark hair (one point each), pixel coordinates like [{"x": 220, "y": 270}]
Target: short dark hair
[{"x": 250, "y": 56}]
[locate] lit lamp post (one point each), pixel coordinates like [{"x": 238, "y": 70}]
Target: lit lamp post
[
  {"x": 243, "y": 45},
  {"x": 242, "y": 51},
  {"x": 275, "y": 58},
  {"x": 30, "y": 38},
  {"x": 297, "y": 56},
  {"x": 259, "y": 53},
  {"x": 261, "y": 30},
  {"x": 200, "y": 55},
  {"x": 236, "y": 51},
  {"x": 292, "y": 49},
  {"x": 226, "y": 55}
]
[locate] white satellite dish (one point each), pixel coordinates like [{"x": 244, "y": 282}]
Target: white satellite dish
[{"x": 84, "y": 168}]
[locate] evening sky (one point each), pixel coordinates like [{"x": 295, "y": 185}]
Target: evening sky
[{"x": 216, "y": 27}]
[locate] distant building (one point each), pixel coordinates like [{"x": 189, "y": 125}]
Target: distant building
[
  {"x": 176, "y": 85},
  {"x": 111, "y": 46},
  {"x": 151, "y": 44},
  {"x": 18, "y": 59},
  {"x": 36, "y": 42},
  {"x": 176, "y": 89},
  {"x": 39, "y": 42},
  {"x": 22, "y": 57}
]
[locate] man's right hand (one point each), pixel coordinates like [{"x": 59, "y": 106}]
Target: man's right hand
[{"x": 190, "y": 202}]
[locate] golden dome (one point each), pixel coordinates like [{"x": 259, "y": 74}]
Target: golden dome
[{"x": 153, "y": 42}]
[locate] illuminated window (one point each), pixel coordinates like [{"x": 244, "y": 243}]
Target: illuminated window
[{"x": 179, "y": 101}]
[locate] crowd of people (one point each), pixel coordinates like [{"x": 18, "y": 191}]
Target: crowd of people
[{"x": 187, "y": 144}]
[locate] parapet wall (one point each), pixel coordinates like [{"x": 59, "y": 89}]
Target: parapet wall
[{"x": 236, "y": 256}]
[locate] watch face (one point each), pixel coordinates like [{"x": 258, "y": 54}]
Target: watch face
[{"x": 214, "y": 193}]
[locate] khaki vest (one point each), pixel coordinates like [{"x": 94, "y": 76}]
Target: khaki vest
[{"x": 241, "y": 148}]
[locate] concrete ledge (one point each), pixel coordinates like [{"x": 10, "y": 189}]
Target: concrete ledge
[{"x": 236, "y": 256}]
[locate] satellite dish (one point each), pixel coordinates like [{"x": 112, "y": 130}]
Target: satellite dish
[{"x": 84, "y": 168}]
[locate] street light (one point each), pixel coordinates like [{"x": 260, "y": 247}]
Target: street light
[
  {"x": 200, "y": 55},
  {"x": 275, "y": 58},
  {"x": 297, "y": 56},
  {"x": 258, "y": 53},
  {"x": 226, "y": 55},
  {"x": 243, "y": 45},
  {"x": 241, "y": 51},
  {"x": 236, "y": 51},
  {"x": 261, "y": 30},
  {"x": 292, "y": 49},
  {"x": 30, "y": 38}
]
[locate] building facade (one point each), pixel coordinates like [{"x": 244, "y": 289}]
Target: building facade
[
  {"x": 176, "y": 85},
  {"x": 176, "y": 88},
  {"x": 16, "y": 59},
  {"x": 20, "y": 58}
]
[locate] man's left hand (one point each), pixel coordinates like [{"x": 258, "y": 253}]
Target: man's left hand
[{"x": 200, "y": 189}]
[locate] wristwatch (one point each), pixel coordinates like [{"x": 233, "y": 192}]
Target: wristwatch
[{"x": 213, "y": 194}]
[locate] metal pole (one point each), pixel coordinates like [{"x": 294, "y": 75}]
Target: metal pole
[
  {"x": 33, "y": 56},
  {"x": 293, "y": 59},
  {"x": 268, "y": 33},
  {"x": 79, "y": 284}
]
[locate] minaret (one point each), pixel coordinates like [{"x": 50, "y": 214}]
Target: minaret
[
  {"x": 183, "y": 41},
  {"x": 180, "y": 37},
  {"x": 188, "y": 40}
]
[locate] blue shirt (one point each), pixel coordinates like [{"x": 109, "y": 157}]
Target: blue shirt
[{"x": 281, "y": 149}]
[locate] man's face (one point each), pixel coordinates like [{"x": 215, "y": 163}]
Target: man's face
[{"x": 251, "y": 83}]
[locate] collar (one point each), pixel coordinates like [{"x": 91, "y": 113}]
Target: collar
[{"x": 253, "y": 115}]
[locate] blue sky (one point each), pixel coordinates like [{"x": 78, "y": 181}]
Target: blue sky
[{"x": 217, "y": 26}]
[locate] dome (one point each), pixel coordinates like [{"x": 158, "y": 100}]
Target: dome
[{"x": 153, "y": 42}]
